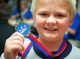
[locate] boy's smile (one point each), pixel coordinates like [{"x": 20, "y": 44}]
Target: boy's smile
[{"x": 51, "y": 29}]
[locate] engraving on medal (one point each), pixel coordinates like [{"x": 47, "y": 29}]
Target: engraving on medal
[{"x": 24, "y": 29}]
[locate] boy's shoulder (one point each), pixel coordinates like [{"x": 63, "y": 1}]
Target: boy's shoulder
[
  {"x": 74, "y": 54},
  {"x": 75, "y": 50}
]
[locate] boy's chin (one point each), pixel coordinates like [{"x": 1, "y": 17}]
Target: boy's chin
[{"x": 51, "y": 36}]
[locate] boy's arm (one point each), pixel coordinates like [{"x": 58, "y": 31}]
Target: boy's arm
[{"x": 71, "y": 31}]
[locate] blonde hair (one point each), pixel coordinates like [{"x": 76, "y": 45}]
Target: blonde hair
[
  {"x": 33, "y": 6},
  {"x": 71, "y": 2}
]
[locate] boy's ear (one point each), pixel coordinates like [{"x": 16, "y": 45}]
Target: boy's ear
[{"x": 71, "y": 21}]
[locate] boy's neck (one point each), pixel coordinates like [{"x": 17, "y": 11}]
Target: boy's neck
[{"x": 51, "y": 46}]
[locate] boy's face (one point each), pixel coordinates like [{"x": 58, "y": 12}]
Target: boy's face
[{"x": 51, "y": 20}]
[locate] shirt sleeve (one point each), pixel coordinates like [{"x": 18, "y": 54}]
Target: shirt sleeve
[{"x": 2, "y": 56}]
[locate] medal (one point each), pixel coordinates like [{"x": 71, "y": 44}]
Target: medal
[{"x": 24, "y": 29}]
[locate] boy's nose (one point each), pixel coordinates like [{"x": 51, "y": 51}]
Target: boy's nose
[{"x": 51, "y": 20}]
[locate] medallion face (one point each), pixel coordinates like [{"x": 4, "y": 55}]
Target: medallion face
[{"x": 24, "y": 29}]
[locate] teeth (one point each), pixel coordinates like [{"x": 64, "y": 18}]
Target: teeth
[{"x": 50, "y": 29}]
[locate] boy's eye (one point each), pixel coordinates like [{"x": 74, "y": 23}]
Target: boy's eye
[
  {"x": 43, "y": 14},
  {"x": 60, "y": 15}
]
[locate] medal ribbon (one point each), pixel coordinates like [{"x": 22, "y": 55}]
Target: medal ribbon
[{"x": 47, "y": 53}]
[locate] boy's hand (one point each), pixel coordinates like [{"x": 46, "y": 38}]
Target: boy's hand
[{"x": 13, "y": 46}]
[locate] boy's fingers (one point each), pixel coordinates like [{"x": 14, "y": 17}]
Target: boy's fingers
[{"x": 18, "y": 34}]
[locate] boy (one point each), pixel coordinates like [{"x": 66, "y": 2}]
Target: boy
[{"x": 51, "y": 18}]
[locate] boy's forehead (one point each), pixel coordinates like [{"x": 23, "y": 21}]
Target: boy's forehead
[
  {"x": 51, "y": 1},
  {"x": 60, "y": 3},
  {"x": 41, "y": 2}
]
